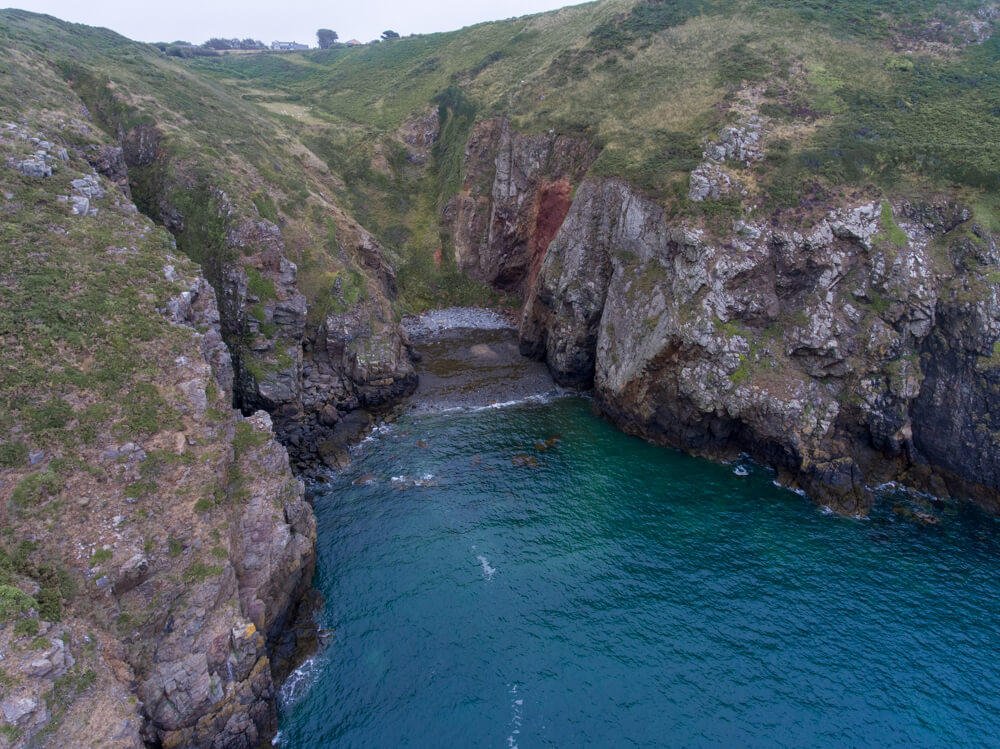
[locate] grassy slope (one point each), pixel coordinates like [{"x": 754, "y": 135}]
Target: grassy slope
[
  {"x": 216, "y": 139},
  {"x": 885, "y": 98},
  {"x": 888, "y": 96}
]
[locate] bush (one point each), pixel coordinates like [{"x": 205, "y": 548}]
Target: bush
[
  {"x": 260, "y": 287},
  {"x": 247, "y": 438},
  {"x": 13, "y": 602},
  {"x": 31, "y": 487},
  {"x": 100, "y": 556},
  {"x": 199, "y": 572},
  {"x": 26, "y": 628},
  {"x": 53, "y": 414}
]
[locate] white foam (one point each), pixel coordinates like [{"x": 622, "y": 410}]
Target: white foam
[
  {"x": 800, "y": 492},
  {"x": 298, "y": 683},
  {"x": 741, "y": 471},
  {"x": 488, "y": 571},
  {"x": 515, "y": 719},
  {"x": 379, "y": 430},
  {"x": 537, "y": 398}
]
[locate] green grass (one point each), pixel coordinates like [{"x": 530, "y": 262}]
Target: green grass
[
  {"x": 260, "y": 287},
  {"x": 647, "y": 81},
  {"x": 100, "y": 556},
  {"x": 13, "y": 454},
  {"x": 13, "y": 602},
  {"x": 199, "y": 572},
  {"x": 26, "y": 627},
  {"x": 891, "y": 232},
  {"x": 35, "y": 488},
  {"x": 247, "y": 438}
]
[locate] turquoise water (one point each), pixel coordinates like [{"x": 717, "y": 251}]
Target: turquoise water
[{"x": 618, "y": 594}]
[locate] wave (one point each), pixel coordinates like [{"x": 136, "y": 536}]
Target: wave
[
  {"x": 298, "y": 684},
  {"x": 516, "y": 704},
  {"x": 379, "y": 430},
  {"x": 537, "y": 398}
]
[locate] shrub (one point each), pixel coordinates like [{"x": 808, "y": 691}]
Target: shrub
[
  {"x": 260, "y": 287},
  {"x": 247, "y": 438},
  {"x": 26, "y": 627},
  {"x": 14, "y": 601},
  {"x": 13, "y": 454},
  {"x": 199, "y": 572},
  {"x": 53, "y": 414},
  {"x": 31, "y": 488}
]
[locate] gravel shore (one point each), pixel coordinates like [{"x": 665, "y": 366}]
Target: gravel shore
[{"x": 436, "y": 321}]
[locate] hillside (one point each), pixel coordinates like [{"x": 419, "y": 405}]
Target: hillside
[
  {"x": 763, "y": 227},
  {"x": 886, "y": 97}
]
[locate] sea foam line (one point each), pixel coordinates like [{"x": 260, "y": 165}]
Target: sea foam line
[
  {"x": 488, "y": 571},
  {"x": 516, "y": 704},
  {"x": 537, "y": 398}
]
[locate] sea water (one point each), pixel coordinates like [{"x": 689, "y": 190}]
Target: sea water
[{"x": 527, "y": 576}]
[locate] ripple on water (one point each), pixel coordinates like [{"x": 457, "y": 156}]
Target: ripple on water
[{"x": 645, "y": 598}]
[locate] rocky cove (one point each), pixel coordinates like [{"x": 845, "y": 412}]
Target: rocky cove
[{"x": 205, "y": 307}]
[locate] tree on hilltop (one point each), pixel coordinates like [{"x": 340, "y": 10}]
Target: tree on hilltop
[
  {"x": 388, "y": 34},
  {"x": 326, "y": 38}
]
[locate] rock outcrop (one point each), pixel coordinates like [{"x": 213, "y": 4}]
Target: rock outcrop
[
  {"x": 304, "y": 368},
  {"x": 517, "y": 191}
]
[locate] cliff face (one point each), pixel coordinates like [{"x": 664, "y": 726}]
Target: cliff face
[
  {"x": 854, "y": 351},
  {"x": 305, "y": 361},
  {"x": 514, "y": 198},
  {"x": 155, "y": 544}
]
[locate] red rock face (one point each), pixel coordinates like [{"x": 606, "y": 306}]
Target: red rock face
[{"x": 552, "y": 204}]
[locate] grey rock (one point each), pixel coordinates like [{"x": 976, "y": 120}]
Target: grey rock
[
  {"x": 34, "y": 167},
  {"x": 15, "y": 710},
  {"x": 80, "y": 207}
]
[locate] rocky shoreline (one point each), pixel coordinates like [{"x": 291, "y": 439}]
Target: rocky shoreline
[{"x": 464, "y": 357}]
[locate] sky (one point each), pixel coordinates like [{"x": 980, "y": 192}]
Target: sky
[{"x": 286, "y": 20}]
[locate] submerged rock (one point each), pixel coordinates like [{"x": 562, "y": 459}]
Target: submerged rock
[{"x": 523, "y": 460}]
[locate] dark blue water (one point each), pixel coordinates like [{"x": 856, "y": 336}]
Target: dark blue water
[{"x": 604, "y": 592}]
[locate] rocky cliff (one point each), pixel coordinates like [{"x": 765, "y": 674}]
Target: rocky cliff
[
  {"x": 846, "y": 348},
  {"x": 854, "y": 351},
  {"x": 308, "y": 361},
  {"x": 154, "y": 543}
]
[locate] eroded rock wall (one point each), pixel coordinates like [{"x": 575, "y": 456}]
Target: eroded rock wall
[
  {"x": 307, "y": 375},
  {"x": 516, "y": 193},
  {"x": 157, "y": 545},
  {"x": 839, "y": 354}
]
